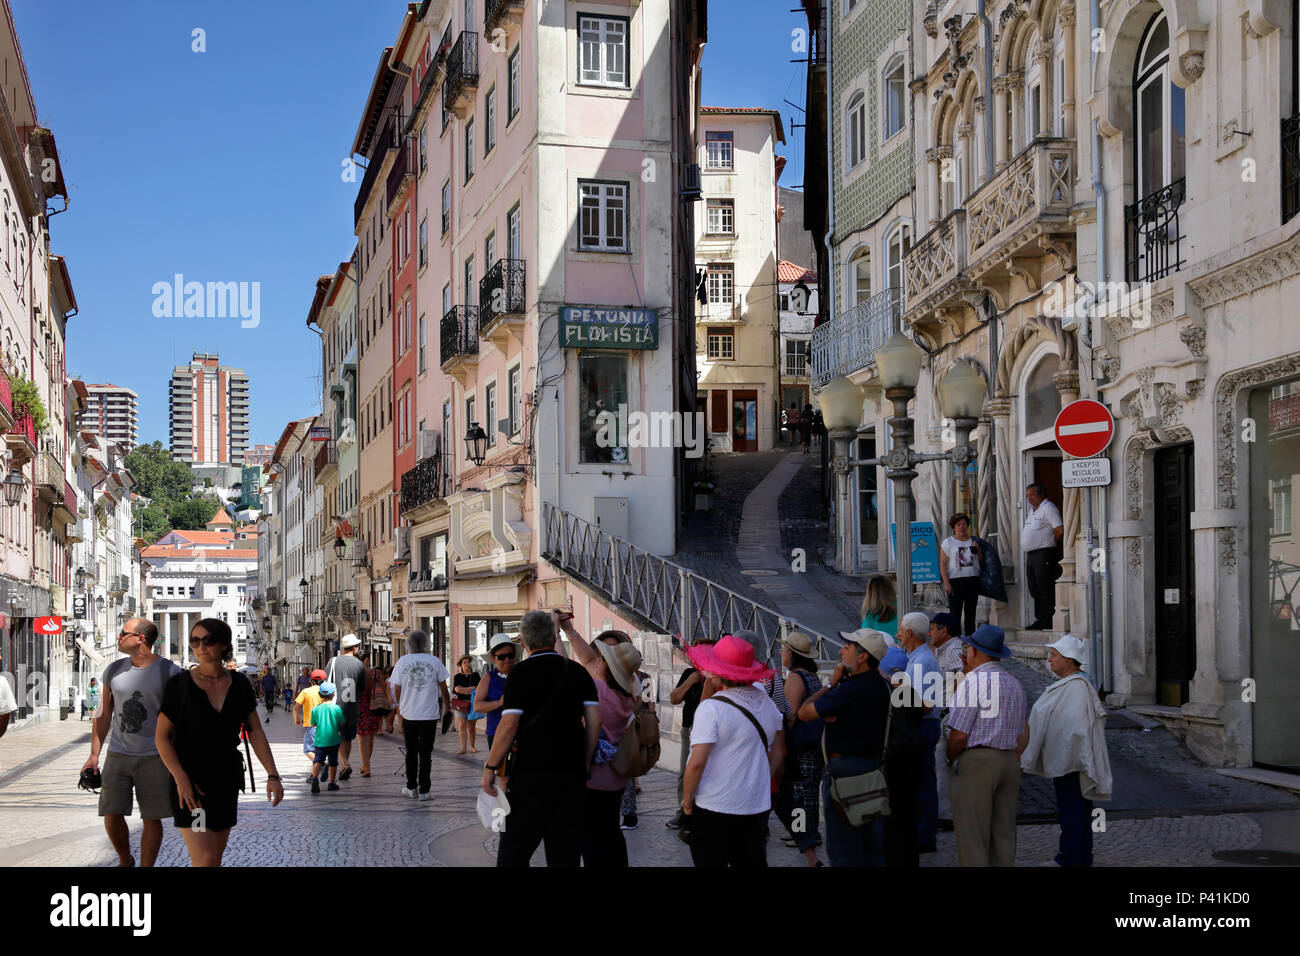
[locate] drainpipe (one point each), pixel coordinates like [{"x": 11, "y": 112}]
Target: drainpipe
[
  {"x": 982, "y": 13},
  {"x": 844, "y": 552}
]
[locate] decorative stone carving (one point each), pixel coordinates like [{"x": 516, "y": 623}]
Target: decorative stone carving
[
  {"x": 1135, "y": 554},
  {"x": 931, "y": 19},
  {"x": 1193, "y": 336},
  {"x": 1044, "y": 325},
  {"x": 937, "y": 154},
  {"x": 1227, "y": 425},
  {"x": 1193, "y": 65},
  {"x": 1228, "y": 548},
  {"x": 1195, "y": 388},
  {"x": 978, "y": 104},
  {"x": 1247, "y": 275},
  {"x": 1110, "y": 365},
  {"x": 1015, "y": 81},
  {"x": 1065, "y": 16},
  {"x": 1167, "y": 401}
]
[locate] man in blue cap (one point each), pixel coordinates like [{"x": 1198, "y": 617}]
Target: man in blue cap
[
  {"x": 987, "y": 732},
  {"x": 948, "y": 651}
]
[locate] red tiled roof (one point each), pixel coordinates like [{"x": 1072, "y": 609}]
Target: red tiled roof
[
  {"x": 204, "y": 537},
  {"x": 787, "y": 271},
  {"x": 220, "y": 518}
]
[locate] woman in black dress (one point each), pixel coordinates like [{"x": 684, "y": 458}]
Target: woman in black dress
[{"x": 198, "y": 739}]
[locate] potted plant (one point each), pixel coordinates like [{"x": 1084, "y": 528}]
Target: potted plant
[
  {"x": 703, "y": 495},
  {"x": 26, "y": 400}
]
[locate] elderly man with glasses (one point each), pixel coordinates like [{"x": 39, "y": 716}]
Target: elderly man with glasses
[{"x": 132, "y": 697}]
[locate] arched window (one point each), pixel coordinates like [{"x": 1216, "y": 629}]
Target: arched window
[
  {"x": 859, "y": 277},
  {"x": 895, "y": 98},
  {"x": 1033, "y": 93},
  {"x": 1058, "y": 85},
  {"x": 1041, "y": 402},
  {"x": 855, "y": 130},
  {"x": 1160, "y": 115}
]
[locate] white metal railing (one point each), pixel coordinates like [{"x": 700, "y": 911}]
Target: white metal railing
[
  {"x": 851, "y": 340},
  {"x": 670, "y": 597}
]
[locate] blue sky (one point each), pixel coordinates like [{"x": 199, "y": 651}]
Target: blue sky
[{"x": 224, "y": 166}]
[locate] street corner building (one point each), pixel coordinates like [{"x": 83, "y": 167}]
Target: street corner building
[{"x": 1108, "y": 218}]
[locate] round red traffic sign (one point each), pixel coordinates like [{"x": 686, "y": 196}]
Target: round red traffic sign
[{"x": 1084, "y": 428}]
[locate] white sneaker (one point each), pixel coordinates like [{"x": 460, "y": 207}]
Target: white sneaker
[
  {"x": 426, "y": 796},
  {"x": 408, "y": 793}
]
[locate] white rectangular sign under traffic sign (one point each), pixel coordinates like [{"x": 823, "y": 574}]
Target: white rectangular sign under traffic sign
[{"x": 1085, "y": 472}]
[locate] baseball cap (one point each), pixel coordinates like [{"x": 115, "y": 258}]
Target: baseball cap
[
  {"x": 874, "y": 642},
  {"x": 318, "y": 674},
  {"x": 327, "y": 688}
]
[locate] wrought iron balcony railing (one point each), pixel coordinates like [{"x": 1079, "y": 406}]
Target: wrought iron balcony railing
[
  {"x": 498, "y": 12},
  {"x": 851, "y": 340},
  {"x": 664, "y": 595},
  {"x": 502, "y": 291},
  {"x": 387, "y": 140},
  {"x": 402, "y": 174},
  {"x": 1153, "y": 234},
  {"x": 1290, "y": 167},
  {"x": 327, "y": 459},
  {"x": 462, "y": 70},
  {"x": 459, "y": 333},
  {"x": 426, "y": 580},
  {"x": 423, "y": 485}
]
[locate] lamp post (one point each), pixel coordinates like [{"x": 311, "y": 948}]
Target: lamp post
[
  {"x": 14, "y": 484},
  {"x": 961, "y": 394}
]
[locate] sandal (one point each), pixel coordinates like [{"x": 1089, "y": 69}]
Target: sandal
[{"x": 365, "y": 773}]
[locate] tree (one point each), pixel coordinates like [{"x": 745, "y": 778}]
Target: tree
[
  {"x": 158, "y": 475},
  {"x": 193, "y": 514},
  {"x": 153, "y": 523}
]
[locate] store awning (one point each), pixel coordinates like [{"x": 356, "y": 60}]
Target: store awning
[
  {"x": 727, "y": 375},
  {"x": 429, "y": 608},
  {"x": 499, "y": 589},
  {"x": 91, "y": 651}
]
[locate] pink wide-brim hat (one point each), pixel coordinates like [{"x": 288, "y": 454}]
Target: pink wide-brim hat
[{"x": 731, "y": 659}]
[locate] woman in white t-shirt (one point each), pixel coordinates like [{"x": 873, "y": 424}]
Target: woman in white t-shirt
[
  {"x": 960, "y": 570},
  {"x": 735, "y": 748}
]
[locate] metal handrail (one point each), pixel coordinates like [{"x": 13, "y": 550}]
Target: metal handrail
[{"x": 658, "y": 590}]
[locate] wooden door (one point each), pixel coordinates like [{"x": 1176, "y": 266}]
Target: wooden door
[{"x": 1174, "y": 579}]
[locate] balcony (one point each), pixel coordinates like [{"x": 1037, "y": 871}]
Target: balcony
[
  {"x": 49, "y": 477},
  {"x": 1290, "y": 168},
  {"x": 423, "y": 488},
  {"x": 65, "y": 509},
  {"x": 401, "y": 176},
  {"x": 1153, "y": 235},
  {"x": 327, "y": 461},
  {"x": 727, "y": 313},
  {"x": 851, "y": 340},
  {"x": 426, "y": 581},
  {"x": 6, "y": 405},
  {"x": 501, "y": 13},
  {"x": 502, "y": 302},
  {"x": 118, "y": 584},
  {"x": 462, "y": 76},
  {"x": 459, "y": 342},
  {"x": 21, "y": 439},
  {"x": 387, "y": 140}
]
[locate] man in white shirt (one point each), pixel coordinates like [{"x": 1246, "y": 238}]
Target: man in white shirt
[
  {"x": 420, "y": 682},
  {"x": 8, "y": 703},
  {"x": 1040, "y": 541}
]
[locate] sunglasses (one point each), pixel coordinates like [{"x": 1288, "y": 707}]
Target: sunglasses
[
  {"x": 505, "y": 657},
  {"x": 207, "y": 641},
  {"x": 129, "y": 634}
]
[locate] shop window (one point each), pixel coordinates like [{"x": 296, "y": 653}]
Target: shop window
[{"x": 602, "y": 388}]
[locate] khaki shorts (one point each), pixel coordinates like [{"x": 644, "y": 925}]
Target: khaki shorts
[{"x": 149, "y": 777}]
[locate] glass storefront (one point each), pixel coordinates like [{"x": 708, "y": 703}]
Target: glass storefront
[
  {"x": 1275, "y": 578},
  {"x": 478, "y": 631}
]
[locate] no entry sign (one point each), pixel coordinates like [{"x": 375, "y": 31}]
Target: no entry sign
[{"x": 1084, "y": 428}]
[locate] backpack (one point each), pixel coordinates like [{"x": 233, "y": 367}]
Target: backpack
[{"x": 638, "y": 748}]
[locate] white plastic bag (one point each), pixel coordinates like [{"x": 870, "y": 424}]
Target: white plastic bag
[{"x": 492, "y": 811}]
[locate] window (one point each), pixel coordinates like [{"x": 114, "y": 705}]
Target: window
[
  {"x": 516, "y": 397},
  {"x": 490, "y": 250},
  {"x": 1161, "y": 114},
  {"x": 718, "y": 149},
  {"x": 860, "y": 277},
  {"x": 490, "y": 412},
  {"x": 446, "y": 206},
  {"x": 424, "y": 147},
  {"x": 423, "y": 342},
  {"x": 855, "y": 131},
  {"x": 1280, "y": 495},
  {"x": 898, "y": 245},
  {"x": 489, "y": 120},
  {"x": 446, "y": 435},
  {"x": 471, "y": 290},
  {"x": 603, "y": 52},
  {"x": 513, "y": 236},
  {"x": 513, "y": 90},
  {"x": 603, "y": 219},
  {"x": 424, "y": 241},
  {"x": 1033, "y": 95},
  {"x": 602, "y": 389},
  {"x": 721, "y": 344},
  {"x": 721, "y": 283},
  {"x": 446, "y": 298},
  {"x": 722, "y": 217},
  {"x": 1042, "y": 402},
  {"x": 895, "y": 97},
  {"x": 796, "y": 357},
  {"x": 470, "y": 418},
  {"x": 469, "y": 149}
]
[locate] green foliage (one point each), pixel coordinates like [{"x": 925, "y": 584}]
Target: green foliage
[
  {"x": 27, "y": 398},
  {"x": 153, "y": 523},
  {"x": 193, "y": 514},
  {"x": 158, "y": 476}
]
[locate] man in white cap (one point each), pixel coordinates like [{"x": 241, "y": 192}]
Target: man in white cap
[
  {"x": 1067, "y": 742},
  {"x": 348, "y": 674}
]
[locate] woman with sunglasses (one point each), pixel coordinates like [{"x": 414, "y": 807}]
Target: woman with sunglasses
[
  {"x": 198, "y": 740},
  {"x": 489, "y": 696}
]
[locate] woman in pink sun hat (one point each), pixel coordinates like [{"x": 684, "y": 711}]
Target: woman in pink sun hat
[{"x": 726, "y": 791}]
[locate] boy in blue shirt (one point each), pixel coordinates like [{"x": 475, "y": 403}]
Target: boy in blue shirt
[{"x": 327, "y": 718}]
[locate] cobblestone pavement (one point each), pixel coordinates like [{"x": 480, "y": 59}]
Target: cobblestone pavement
[{"x": 48, "y": 822}]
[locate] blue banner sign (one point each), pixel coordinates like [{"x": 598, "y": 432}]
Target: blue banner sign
[{"x": 925, "y": 552}]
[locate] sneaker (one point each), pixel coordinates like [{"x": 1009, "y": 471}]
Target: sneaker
[
  {"x": 407, "y": 792},
  {"x": 315, "y": 785},
  {"x": 426, "y": 796},
  {"x": 675, "y": 823},
  {"x": 629, "y": 822},
  {"x": 333, "y": 786}
]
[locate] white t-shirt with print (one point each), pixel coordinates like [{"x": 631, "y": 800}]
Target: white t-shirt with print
[
  {"x": 419, "y": 676},
  {"x": 962, "y": 561},
  {"x": 737, "y": 778},
  {"x": 8, "y": 703}
]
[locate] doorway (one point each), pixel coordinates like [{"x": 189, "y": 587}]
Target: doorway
[
  {"x": 744, "y": 420},
  {"x": 867, "y": 515},
  {"x": 1041, "y": 465},
  {"x": 1174, "y": 577}
]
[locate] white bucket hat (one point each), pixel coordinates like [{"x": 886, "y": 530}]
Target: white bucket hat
[
  {"x": 350, "y": 640},
  {"x": 1071, "y": 647}
]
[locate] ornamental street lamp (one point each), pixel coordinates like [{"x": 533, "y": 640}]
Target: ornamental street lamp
[
  {"x": 476, "y": 443},
  {"x": 961, "y": 395},
  {"x": 340, "y": 547},
  {"x": 100, "y": 602},
  {"x": 14, "y": 485},
  {"x": 81, "y": 578}
]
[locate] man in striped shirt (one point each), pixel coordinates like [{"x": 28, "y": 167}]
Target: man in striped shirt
[
  {"x": 987, "y": 732},
  {"x": 948, "y": 652}
]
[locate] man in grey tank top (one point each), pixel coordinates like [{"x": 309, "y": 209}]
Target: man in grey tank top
[{"x": 132, "y": 697}]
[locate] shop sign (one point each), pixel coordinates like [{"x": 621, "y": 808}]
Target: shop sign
[{"x": 601, "y": 327}]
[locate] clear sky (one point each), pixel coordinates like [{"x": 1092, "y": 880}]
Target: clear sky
[{"x": 225, "y": 166}]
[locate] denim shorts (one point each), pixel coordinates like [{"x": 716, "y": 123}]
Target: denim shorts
[{"x": 309, "y": 740}]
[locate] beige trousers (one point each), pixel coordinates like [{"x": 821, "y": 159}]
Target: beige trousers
[{"x": 985, "y": 790}]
